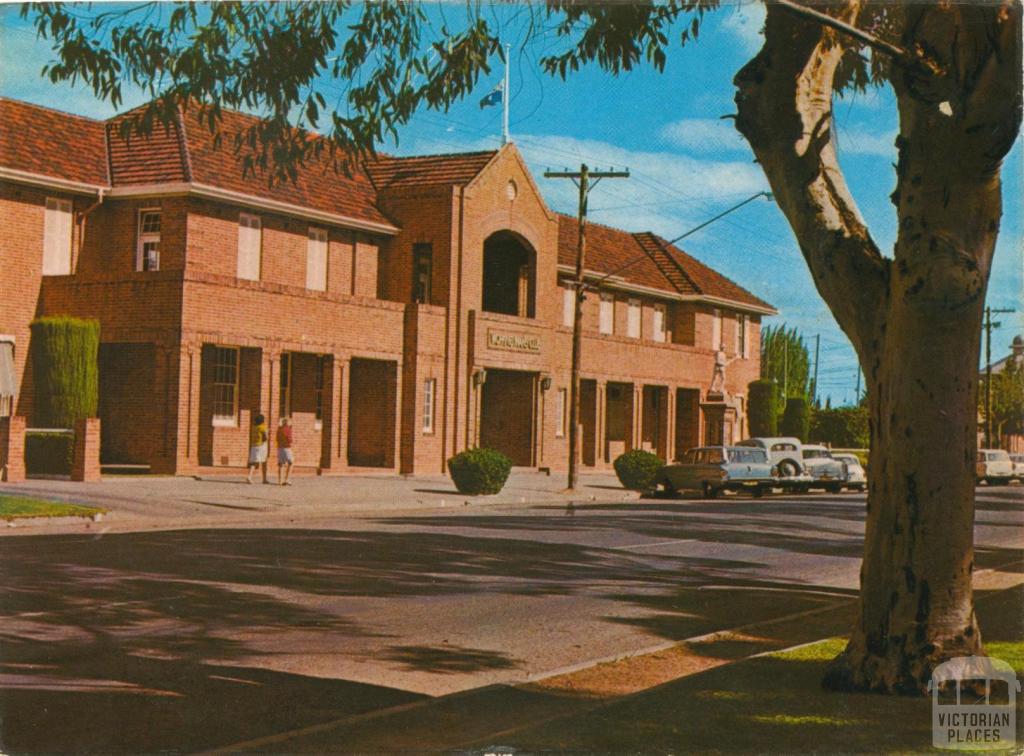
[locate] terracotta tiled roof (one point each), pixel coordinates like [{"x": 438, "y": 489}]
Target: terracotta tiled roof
[
  {"x": 156, "y": 158},
  {"x": 318, "y": 187},
  {"x": 650, "y": 261},
  {"x": 390, "y": 172},
  {"x": 51, "y": 143}
]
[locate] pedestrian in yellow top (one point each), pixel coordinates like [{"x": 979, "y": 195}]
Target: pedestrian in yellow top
[{"x": 258, "y": 447}]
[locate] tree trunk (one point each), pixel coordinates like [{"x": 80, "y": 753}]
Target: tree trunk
[{"x": 915, "y": 319}]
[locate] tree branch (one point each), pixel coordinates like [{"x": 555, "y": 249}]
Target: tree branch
[{"x": 784, "y": 103}]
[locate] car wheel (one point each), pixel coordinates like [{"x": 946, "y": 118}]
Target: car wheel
[
  {"x": 758, "y": 492},
  {"x": 788, "y": 468},
  {"x": 710, "y": 492},
  {"x": 834, "y": 488},
  {"x": 668, "y": 489}
]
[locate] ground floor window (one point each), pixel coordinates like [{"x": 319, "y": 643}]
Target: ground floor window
[
  {"x": 7, "y": 382},
  {"x": 318, "y": 390},
  {"x": 560, "y": 402},
  {"x": 285, "y": 394},
  {"x": 429, "y": 387},
  {"x": 225, "y": 385}
]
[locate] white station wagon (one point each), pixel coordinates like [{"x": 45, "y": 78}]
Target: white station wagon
[{"x": 994, "y": 467}]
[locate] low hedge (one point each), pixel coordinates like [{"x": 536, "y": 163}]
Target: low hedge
[
  {"x": 49, "y": 453},
  {"x": 638, "y": 469},
  {"x": 479, "y": 471}
]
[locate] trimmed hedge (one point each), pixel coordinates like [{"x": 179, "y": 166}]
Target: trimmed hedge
[
  {"x": 638, "y": 469},
  {"x": 761, "y": 409},
  {"x": 65, "y": 370},
  {"x": 49, "y": 453},
  {"x": 842, "y": 427},
  {"x": 479, "y": 471},
  {"x": 797, "y": 419}
]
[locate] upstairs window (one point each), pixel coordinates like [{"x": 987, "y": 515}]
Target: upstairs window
[
  {"x": 250, "y": 240},
  {"x": 716, "y": 330},
  {"x": 429, "y": 388},
  {"x": 147, "y": 249},
  {"x": 741, "y": 335},
  {"x": 607, "y": 314},
  {"x": 316, "y": 260},
  {"x": 658, "y": 322},
  {"x": 633, "y": 319},
  {"x": 568, "y": 306},
  {"x": 57, "y": 238},
  {"x": 422, "y": 270}
]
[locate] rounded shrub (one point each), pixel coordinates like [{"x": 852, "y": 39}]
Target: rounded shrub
[
  {"x": 479, "y": 471},
  {"x": 638, "y": 469},
  {"x": 796, "y": 420},
  {"x": 761, "y": 409}
]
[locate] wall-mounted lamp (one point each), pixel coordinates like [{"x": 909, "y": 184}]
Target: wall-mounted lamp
[
  {"x": 479, "y": 378},
  {"x": 545, "y": 382}
]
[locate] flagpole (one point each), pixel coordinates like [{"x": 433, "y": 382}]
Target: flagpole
[{"x": 505, "y": 97}]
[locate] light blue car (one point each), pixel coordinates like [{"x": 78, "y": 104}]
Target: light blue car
[{"x": 712, "y": 469}]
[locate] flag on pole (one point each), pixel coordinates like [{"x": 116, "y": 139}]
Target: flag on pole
[{"x": 494, "y": 97}]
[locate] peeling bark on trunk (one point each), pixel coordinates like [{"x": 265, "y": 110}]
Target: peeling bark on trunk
[{"x": 914, "y": 320}]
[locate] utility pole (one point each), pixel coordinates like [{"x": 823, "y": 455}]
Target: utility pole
[
  {"x": 989, "y": 325},
  {"x": 586, "y": 180},
  {"x": 817, "y": 343}
]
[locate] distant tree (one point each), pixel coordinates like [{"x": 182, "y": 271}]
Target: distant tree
[
  {"x": 761, "y": 408},
  {"x": 796, "y": 420},
  {"x": 913, "y": 316},
  {"x": 786, "y": 362},
  {"x": 842, "y": 427},
  {"x": 1007, "y": 400}
]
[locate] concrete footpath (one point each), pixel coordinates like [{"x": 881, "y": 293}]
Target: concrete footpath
[{"x": 166, "y": 501}]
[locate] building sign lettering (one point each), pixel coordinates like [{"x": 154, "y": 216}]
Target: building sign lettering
[{"x": 513, "y": 342}]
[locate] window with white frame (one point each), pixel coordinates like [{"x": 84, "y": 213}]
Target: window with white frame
[
  {"x": 658, "y": 323},
  {"x": 607, "y": 314},
  {"x": 741, "y": 335},
  {"x": 147, "y": 248},
  {"x": 318, "y": 391},
  {"x": 316, "y": 259},
  {"x": 8, "y": 384},
  {"x": 225, "y": 385},
  {"x": 568, "y": 306},
  {"x": 633, "y": 319},
  {"x": 716, "y": 330},
  {"x": 429, "y": 388},
  {"x": 560, "y": 412},
  {"x": 249, "y": 243},
  {"x": 57, "y": 237}
]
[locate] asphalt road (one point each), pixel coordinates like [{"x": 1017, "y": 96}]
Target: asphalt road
[{"x": 186, "y": 639}]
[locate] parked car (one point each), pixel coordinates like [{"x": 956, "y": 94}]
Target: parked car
[
  {"x": 826, "y": 472},
  {"x": 1018, "y": 466},
  {"x": 856, "y": 477},
  {"x": 994, "y": 467},
  {"x": 786, "y": 456},
  {"x": 712, "y": 469}
]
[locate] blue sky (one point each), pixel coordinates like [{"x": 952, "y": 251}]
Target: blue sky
[{"x": 686, "y": 164}]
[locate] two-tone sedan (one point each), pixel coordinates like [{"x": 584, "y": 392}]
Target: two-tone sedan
[
  {"x": 856, "y": 477},
  {"x": 710, "y": 470},
  {"x": 825, "y": 471}
]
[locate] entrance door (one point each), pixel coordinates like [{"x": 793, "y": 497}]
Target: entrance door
[{"x": 507, "y": 414}]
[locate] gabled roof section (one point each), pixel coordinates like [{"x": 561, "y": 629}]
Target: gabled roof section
[
  {"x": 157, "y": 157},
  {"x": 647, "y": 260},
  {"x": 389, "y": 172},
  {"x": 48, "y": 142}
]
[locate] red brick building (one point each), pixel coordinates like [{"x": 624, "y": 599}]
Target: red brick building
[{"x": 399, "y": 315}]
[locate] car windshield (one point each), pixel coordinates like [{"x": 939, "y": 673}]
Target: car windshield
[
  {"x": 999, "y": 456},
  {"x": 783, "y": 447},
  {"x": 746, "y": 456}
]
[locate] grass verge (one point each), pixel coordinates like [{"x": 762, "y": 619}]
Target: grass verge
[{"x": 18, "y": 507}]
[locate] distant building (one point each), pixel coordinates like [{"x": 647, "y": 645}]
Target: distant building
[
  {"x": 1012, "y": 442},
  {"x": 399, "y": 315}
]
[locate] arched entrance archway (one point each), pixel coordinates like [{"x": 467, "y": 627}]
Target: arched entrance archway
[{"x": 510, "y": 275}]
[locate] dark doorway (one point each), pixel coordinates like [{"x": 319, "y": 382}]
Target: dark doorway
[
  {"x": 507, "y": 414},
  {"x": 373, "y": 394},
  {"x": 654, "y": 424},
  {"x": 687, "y": 420},
  {"x": 588, "y": 421},
  {"x": 131, "y": 406},
  {"x": 618, "y": 421},
  {"x": 509, "y": 276}
]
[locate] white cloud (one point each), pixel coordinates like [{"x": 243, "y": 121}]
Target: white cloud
[
  {"x": 704, "y": 134},
  {"x": 745, "y": 22}
]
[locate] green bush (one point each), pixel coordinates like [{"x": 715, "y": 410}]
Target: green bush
[
  {"x": 638, "y": 469},
  {"x": 49, "y": 453},
  {"x": 761, "y": 409},
  {"x": 841, "y": 427},
  {"x": 479, "y": 471},
  {"x": 65, "y": 370},
  {"x": 796, "y": 421}
]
